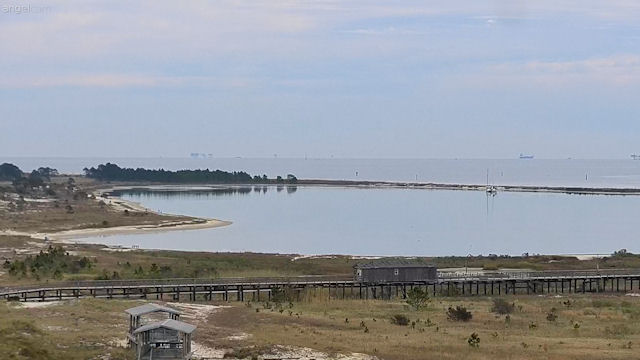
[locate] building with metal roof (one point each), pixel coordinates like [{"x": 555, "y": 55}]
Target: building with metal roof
[
  {"x": 152, "y": 308},
  {"x": 136, "y": 314},
  {"x": 166, "y": 339},
  {"x": 395, "y": 271},
  {"x": 167, "y": 324}
]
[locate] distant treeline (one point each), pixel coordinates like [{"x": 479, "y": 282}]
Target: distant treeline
[{"x": 113, "y": 172}]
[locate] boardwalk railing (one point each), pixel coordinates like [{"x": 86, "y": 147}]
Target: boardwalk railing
[
  {"x": 517, "y": 274},
  {"x": 176, "y": 282},
  {"x": 342, "y": 286}
]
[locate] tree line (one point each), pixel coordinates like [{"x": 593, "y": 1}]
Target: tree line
[
  {"x": 113, "y": 172},
  {"x": 24, "y": 181}
]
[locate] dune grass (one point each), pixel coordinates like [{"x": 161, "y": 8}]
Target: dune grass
[
  {"x": 606, "y": 328},
  {"x": 86, "y": 329}
]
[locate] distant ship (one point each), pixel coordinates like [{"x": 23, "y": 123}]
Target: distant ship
[
  {"x": 523, "y": 156},
  {"x": 635, "y": 157}
]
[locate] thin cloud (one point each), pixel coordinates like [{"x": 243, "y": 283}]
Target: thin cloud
[
  {"x": 123, "y": 81},
  {"x": 612, "y": 71}
]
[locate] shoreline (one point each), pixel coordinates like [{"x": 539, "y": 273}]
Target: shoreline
[
  {"x": 66, "y": 235},
  {"x": 576, "y": 190},
  {"x": 370, "y": 184},
  {"x": 104, "y": 193}
]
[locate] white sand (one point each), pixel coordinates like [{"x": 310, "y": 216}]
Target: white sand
[
  {"x": 37, "y": 305},
  {"x": 292, "y": 352},
  {"x": 196, "y": 311},
  {"x": 201, "y": 351},
  {"x": 121, "y": 230}
]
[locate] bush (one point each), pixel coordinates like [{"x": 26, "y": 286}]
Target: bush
[
  {"x": 474, "y": 340},
  {"x": 399, "y": 319},
  {"x": 502, "y": 307},
  {"x": 417, "y": 298},
  {"x": 551, "y": 316},
  {"x": 459, "y": 313},
  {"x": 54, "y": 261}
]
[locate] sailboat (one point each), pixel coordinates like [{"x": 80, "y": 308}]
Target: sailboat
[{"x": 490, "y": 189}]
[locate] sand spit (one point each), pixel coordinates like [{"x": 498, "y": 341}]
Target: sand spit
[
  {"x": 121, "y": 205},
  {"x": 122, "y": 230},
  {"x": 474, "y": 187}
]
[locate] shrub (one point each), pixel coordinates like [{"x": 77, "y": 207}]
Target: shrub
[
  {"x": 502, "y": 307},
  {"x": 53, "y": 261},
  {"x": 474, "y": 340},
  {"x": 399, "y": 319},
  {"x": 280, "y": 295},
  {"x": 459, "y": 313},
  {"x": 551, "y": 316},
  {"x": 417, "y": 298}
]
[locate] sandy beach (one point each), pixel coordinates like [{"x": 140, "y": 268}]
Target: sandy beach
[
  {"x": 118, "y": 204},
  {"x": 122, "y": 230}
]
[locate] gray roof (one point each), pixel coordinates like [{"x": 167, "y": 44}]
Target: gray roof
[
  {"x": 167, "y": 324},
  {"x": 392, "y": 263},
  {"x": 150, "y": 308}
]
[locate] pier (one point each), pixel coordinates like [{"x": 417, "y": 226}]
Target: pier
[{"x": 334, "y": 287}]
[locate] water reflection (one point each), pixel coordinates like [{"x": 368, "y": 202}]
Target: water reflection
[
  {"x": 333, "y": 220},
  {"x": 185, "y": 193}
]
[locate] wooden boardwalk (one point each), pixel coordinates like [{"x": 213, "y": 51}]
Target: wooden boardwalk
[{"x": 338, "y": 287}]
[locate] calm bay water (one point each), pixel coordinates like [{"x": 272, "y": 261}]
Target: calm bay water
[
  {"x": 317, "y": 220},
  {"x": 331, "y": 220}
]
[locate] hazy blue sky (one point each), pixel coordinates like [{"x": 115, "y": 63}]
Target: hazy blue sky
[{"x": 420, "y": 79}]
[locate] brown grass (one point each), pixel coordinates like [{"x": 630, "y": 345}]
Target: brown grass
[
  {"x": 90, "y": 328},
  {"x": 604, "y": 333},
  {"x": 73, "y": 330}
]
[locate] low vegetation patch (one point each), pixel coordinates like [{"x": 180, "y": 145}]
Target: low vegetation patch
[
  {"x": 400, "y": 319},
  {"x": 502, "y": 307},
  {"x": 53, "y": 262},
  {"x": 474, "y": 340},
  {"x": 459, "y": 313},
  {"x": 417, "y": 298}
]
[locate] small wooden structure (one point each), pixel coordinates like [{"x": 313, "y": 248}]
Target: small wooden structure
[
  {"x": 136, "y": 313},
  {"x": 394, "y": 271},
  {"x": 167, "y": 339}
]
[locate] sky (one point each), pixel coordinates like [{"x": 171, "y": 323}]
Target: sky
[{"x": 320, "y": 78}]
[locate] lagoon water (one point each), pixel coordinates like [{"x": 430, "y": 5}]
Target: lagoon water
[
  {"x": 325, "y": 220},
  {"x": 336, "y": 220}
]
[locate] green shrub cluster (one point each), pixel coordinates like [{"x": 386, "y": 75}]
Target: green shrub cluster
[{"x": 52, "y": 262}]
